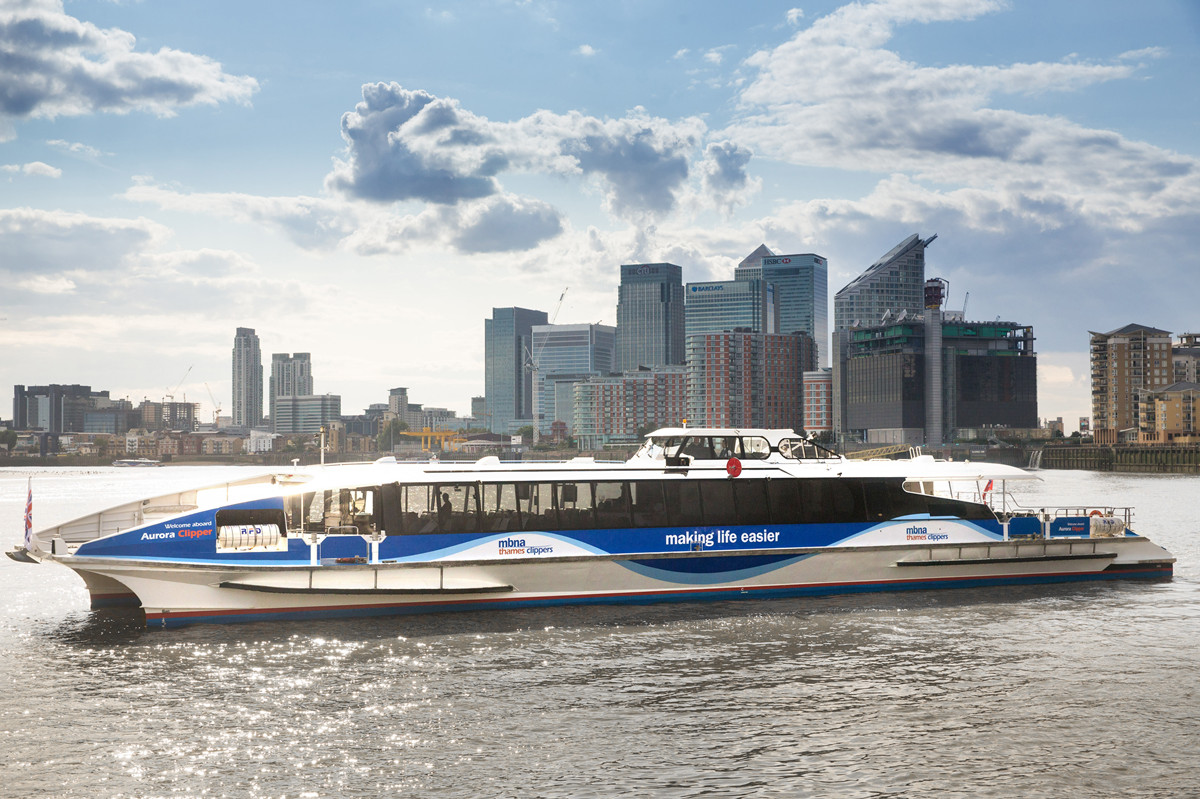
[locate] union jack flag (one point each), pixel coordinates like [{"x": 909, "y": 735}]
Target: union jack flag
[{"x": 29, "y": 516}]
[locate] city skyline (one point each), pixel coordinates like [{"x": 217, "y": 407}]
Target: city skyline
[{"x": 369, "y": 186}]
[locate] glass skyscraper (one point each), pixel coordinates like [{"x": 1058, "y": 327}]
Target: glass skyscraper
[
  {"x": 247, "y": 379},
  {"x": 892, "y": 288},
  {"x": 565, "y": 355},
  {"x": 649, "y": 316},
  {"x": 507, "y": 387},
  {"x": 894, "y": 283},
  {"x": 726, "y": 305},
  {"x": 801, "y": 284},
  {"x": 291, "y": 376}
]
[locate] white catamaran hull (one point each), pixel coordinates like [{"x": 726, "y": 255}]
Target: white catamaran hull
[{"x": 174, "y": 594}]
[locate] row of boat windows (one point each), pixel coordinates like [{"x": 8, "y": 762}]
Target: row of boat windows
[{"x": 507, "y": 507}]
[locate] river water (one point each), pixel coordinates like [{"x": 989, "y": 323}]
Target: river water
[{"x": 1050, "y": 691}]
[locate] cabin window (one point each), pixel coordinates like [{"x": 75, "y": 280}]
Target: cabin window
[
  {"x": 878, "y": 501},
  {"x": 905, "y": 503},
  {"x": 307, "y": 512},
  {"x": 755, "y": 448},
  {"x": 718, "y": 502},
  {"x": 844, "y": 500},
  {"x": 449, "y": 508},
  {"x": 784, "y": 498},
  {"x": 697, "y": 448},
  {"x": 612, "y": 506},
  {"x": 649, "y": 508},
  {"x": 725, "y": 447},
  {"x": 751, "y": 499},
  {"x": 537, "y": 506},
  {"x": 499, "y": 508},
  {"x": 390, "y": 514},
  {"x": 683, "y": 503},
  {"x": 576, "y": 506}
]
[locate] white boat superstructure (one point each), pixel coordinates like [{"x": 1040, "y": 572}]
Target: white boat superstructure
[{"x": 696, "y": 513}]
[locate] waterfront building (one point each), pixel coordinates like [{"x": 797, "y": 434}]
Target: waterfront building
[
  {"x": 890, "y": 290},
  {"x": 988, "y": 379},
  {"x": 818, "y": 401},
  {"x": 801, "y": 285},
  {"x": 55, "y": 408},
  {"x": 110, "y": 416},
  {"x": 260, "y": 441},
  {"x": 1170, "y": 415},
  {"x": 746, "y": 378},
  {"x": 650, "y": 317},
  {"x": 1126, "y": 363},
  {"x": 508, "y": 387},
  {"x": 299, "y": 415},
  {"x": 221, "y": 444},
  {"x": 247, "y": 379},
  {"x": 1185, "y": 358},
  {"x": 165, "y": 416},
  {"x": 291, "y": 376},
  {"x": 621, "y": 408},
  {"x": 562, "y": 356}
]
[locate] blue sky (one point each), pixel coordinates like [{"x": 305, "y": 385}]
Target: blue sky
[{"x": 366, "y": 180}]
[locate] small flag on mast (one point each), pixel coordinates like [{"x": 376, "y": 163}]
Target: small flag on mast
[
  {"x": 29, "y": 517},
  {"x": 987, "y": 489}
]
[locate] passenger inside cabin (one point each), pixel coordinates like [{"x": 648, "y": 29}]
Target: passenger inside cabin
[{"x": 444, "y": 511}]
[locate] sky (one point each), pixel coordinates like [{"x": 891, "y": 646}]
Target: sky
[{"x": 365, "y": 181}]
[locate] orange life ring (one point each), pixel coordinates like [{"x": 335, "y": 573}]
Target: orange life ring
[{"x": 1095, "y": 513}]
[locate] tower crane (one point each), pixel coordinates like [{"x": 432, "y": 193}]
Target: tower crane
[
  {"x": 533, "y": 364},
  {"x": 216, "y": 406},
  {"x": 171, "y": 394}
]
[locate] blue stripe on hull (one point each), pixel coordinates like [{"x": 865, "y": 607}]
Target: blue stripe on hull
[{"x": 651, "y": 597}]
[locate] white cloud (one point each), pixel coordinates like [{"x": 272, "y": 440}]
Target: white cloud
[
  {"x": 794, "y": 15},
  {"x": 716, "y": 55},
  {"x": 75, "y": 148},
  {"x": 37, "y": 168},
  {"x": 586, "y": 50},
  {"x": 312, "y": 222},
  {"x": 410, "y": 145},
  {"x": 52, "y": 64},
  {"x": 833, "y": 96},
  {"x": 41, "y": 284}
]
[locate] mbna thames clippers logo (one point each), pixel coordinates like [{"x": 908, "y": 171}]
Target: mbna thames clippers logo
[{"x": 517, "y": 546}]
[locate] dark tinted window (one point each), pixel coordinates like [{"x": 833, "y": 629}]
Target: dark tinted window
[
  {"x": 612, "y": 505},
  {"x": 576, "y": 506},
  {"x": 649, "y": 509},
  {"x": 717, "y": 497},
  {"x": 751, "y": 498},
  {"x": 683, "y": 503}
]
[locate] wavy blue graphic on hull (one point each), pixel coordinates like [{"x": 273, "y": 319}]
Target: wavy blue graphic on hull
[{"x": 710, "y": 571}]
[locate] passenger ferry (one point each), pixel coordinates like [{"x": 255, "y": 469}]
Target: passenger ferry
[{"x": 695, "y": 514}]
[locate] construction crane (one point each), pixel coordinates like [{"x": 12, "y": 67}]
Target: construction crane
[
  {"x": 533, "y": 363},
  {"x": 216, "y": 406},
  {"x": 171, "y": 394}
]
